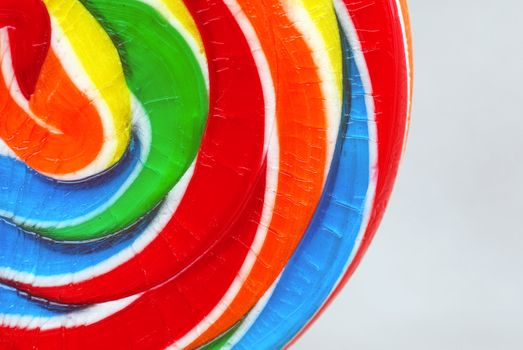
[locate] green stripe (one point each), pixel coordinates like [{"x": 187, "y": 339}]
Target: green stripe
[
  {"x": 165, "y": 76},
  {"x": 219, "y": 342}
]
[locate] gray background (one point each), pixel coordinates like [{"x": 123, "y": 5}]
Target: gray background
[{"x": 445, "y": 270}]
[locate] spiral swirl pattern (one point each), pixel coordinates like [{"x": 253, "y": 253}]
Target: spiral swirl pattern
[{"x": 186, "y": 174}]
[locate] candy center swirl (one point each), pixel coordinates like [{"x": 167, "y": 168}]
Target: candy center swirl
[{"x": 105, "y": 99}]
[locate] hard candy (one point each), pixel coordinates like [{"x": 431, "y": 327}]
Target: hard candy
[{"x": 191, "y": 173}]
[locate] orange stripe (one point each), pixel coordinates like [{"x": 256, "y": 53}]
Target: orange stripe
[
  {"x": 302, "y": 125},
  {"x": 408, "y": 34},
  {"x": 60, "y": 104}
]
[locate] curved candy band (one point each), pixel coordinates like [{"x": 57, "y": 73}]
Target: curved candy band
[
  {"x": 174, "y": 116},
  {"x": 200, "y": 173},
  {"x": 83, "y": 129},
  {"x": 234, "y": 148}
]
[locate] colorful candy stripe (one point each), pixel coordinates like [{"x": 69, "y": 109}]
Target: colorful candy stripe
[
  {"x": 82, "y": 130},
  {"x": 29, "y": 43},
  {"x": 317, "y": 263},
  {"x": 204, "y": 217},
  {"x": 388, "y": 78},
  {"x": 175, "y": 112},
  {"x": 381, "y": 82},
  {"x": 263, "y": 139},
  {"x": 299, "y": 144},
  {"x": 331, "y": 246}
]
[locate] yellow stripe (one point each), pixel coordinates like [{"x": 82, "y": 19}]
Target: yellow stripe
[
  {"x": 99, "y": 58},
  {"x": 178, "y": 9},
  {"x": 323, "y": 15}
]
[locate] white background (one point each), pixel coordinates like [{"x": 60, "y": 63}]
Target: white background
[{"x": 445, "y": 270}]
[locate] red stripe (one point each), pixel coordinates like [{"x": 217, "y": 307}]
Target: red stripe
[
  {"x": 166, "y": 313},
  {"x": 228, "y": 165},
  {"x": 378, "y": 25},
  {"x": 30, "y": 38}
]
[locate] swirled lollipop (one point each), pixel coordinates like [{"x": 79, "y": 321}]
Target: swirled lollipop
[{"x": 185, "y": 174}]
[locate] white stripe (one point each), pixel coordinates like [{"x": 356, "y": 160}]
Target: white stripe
[
  {"x": 251, "y": 318},
  {"x": 271, "y": 184},
  {"x": 301, "y": 18},
  {"x": 151, "y": 233},
  {"x": 11, "y": 83},
  {"x": 142, "y": 127},
  {"x": 166, "y": 211},
  {"x": 74, "y": 69},
  {"x": 350, "y": 31},
  {"x": 359, "y": 58},
  {"x": 83, "y": 317},
  {"x": 407, "y": 65},
  {"x": 143, "y": 130},
  {"x": 162, "y": 9}
]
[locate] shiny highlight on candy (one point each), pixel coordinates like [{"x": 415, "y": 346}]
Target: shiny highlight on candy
[{"x": 191, "y": 174}]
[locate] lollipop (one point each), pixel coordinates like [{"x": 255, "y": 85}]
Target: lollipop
[{"x": 205, "y": 173}]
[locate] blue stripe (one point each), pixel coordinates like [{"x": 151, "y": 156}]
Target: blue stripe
[
  {"x": 28, "y": 194},
  {"x": 323, "y": 253},
  {"x": 13, "y": 303},
  {"x": 311, "y": 273}
]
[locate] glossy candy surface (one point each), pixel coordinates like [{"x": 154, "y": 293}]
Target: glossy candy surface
[{"x": 185, "y": 174}]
